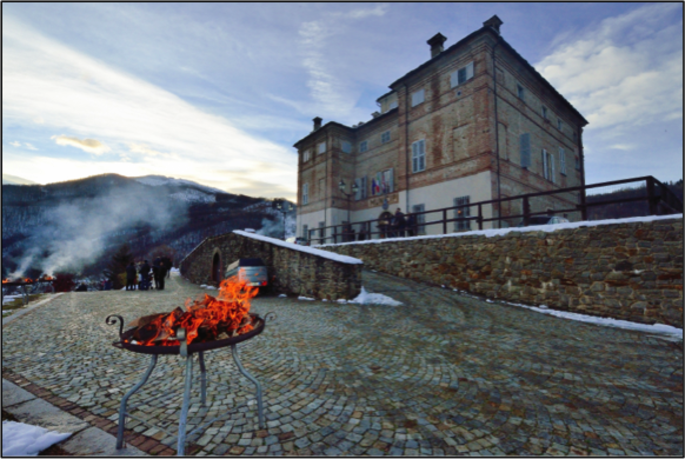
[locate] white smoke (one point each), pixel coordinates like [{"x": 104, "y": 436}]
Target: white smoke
[
  {"x": 274, "y": 228},
  {"x": 79, "y": 232}
]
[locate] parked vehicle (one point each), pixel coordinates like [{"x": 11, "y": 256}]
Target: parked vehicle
[
  {"x": 544, "y": 220},
  {"x": 252, "y": 271}
]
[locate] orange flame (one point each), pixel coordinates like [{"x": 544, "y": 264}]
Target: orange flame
[
  {"x": 227, "y": 313},
  {"x": 5, "y": 281}
]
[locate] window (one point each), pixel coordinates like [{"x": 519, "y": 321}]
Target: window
[
  {"x": 385, "y": 137},
  {"x": 322, "y": 147},
  {"x": 548, "y": 165},
  {"x": 559, "y": 124},
  {"x": 525, "y": 150},
  {"x": 305, "y": 194},
  {"x": 417, "y": 97},
  {"x": 462, "y": 75},
  {"x": 361, "y": 192},
  {"x": 346, "y": 146},
  {"x": 420, "y": 219},
  {"x": 418, "y": 156},
  {"x": 462, "y": 213},
  {"x": 520, "y": 91},
  {"x": 363, "y": 146},
  {"x": 322, "y": 186},
  {"x": 392, "y": 105},
  {"x": 305, "y": 231},
  {"x": 382, "y": 183},
  {"x": 562, "y": 161},
  {"x": 544, "y": 112},
  {"x": 306, "y": 155}
]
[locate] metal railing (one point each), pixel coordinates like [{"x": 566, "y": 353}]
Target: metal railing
[{"x": 662, "y": 201}]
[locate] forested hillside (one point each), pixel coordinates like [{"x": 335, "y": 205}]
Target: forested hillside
[{"x": 76, "y": 226}]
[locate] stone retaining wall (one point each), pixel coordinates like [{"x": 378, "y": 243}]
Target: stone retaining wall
[
  {"x": 290, "y": 270},
  {"x": 631, "y": 271}
]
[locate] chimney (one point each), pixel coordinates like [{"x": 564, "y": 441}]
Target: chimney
[
  {"x": 317, "y": 123},
  {"x": 436, "y": 44},
  {"x": 493, "y": 22}
]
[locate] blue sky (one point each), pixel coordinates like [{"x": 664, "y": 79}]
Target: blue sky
[{"x": 219, "y": 93}]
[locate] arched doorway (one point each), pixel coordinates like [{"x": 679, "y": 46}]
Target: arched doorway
[{"x": 216, "y": 268}]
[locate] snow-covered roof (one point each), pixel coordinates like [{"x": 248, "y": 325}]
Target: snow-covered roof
[
  {"x": 301, "y": 248},
  {"x": 503, "y": 231}
]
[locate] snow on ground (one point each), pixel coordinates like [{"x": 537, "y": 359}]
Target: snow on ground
[
  {"x": 302, "y": 248},
  {"x": 374, "y": 298},
  {"x": 503, "y": 231},
  {"x": 10, "y": 298},
  {"x": 159, "y": 180},
  {"x": 661, "y": 329},
  {"x": 19, "y": 439}
]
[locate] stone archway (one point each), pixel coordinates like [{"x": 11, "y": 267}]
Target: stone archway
[{"x": 216, "y": 267}]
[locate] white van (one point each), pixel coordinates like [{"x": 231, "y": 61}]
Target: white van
[{"x": 252, "y": 271}]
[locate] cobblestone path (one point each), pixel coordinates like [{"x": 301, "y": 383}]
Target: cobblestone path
[{"x": 442, "y": 374}]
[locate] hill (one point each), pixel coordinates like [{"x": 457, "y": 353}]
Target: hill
[
  {"x": 76, "y": 226},
  {"x": 626, "y": 209}
]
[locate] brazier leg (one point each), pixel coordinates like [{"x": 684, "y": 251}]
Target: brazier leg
[
  {"x": 122, "y": 407},
  {"x": 180, "y": 448},
  {"x": 203, "y": 379},
  {"x": 260, "y": 409}
]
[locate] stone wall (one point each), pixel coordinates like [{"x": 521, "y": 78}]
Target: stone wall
[
  {"x": 631, "y": 271},
  {"x": 292, "y": 269}
]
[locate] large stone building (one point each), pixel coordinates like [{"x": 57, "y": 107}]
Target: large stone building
[{"x": 476, "y": 122}]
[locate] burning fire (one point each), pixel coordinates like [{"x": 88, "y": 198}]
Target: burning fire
[
  {"x": 5, "y": 281},
  {"x": 207, "y": 317}
]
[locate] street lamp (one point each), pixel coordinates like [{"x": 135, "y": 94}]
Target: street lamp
[
  {"x": 355, "y": 188},
  {"x": 282, "y": 206}
]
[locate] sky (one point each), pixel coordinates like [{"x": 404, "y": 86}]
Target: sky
[{"x": 218, "y": 93}]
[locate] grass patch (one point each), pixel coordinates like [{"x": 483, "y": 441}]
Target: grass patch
[{"x": 18, "y": 303}]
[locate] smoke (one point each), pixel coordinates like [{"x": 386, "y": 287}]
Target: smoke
[
  {"x": 274, "y": 228},
  {"x": 77, "y": 233}
]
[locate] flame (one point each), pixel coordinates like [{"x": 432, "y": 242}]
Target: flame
[
  {"x": 5, "y": 281},
  {"x": 227, "y": 313},
  {"x": 28, "y": 280}
]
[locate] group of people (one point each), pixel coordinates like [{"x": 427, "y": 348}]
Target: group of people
[
  {"x": 397, "y": 225},
  {"x": 160, "y": 269},
  {"x": 389, "y": 225}
]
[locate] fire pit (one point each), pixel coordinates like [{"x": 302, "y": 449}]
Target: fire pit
[
  {"x": 23, "y": 283},
  {"x": 206, "y": 325}
]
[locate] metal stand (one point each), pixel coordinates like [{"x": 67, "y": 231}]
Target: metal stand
[{"x": 180, "y": 448}]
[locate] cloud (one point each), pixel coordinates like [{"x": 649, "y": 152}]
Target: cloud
[
  {"x": 88, "y": 145},
  {"x": 29, "y": 146},
  {"x": 87, "y": 99},
  {"x": 627, "y": 72},
  {"x": 15, "y": 144}
]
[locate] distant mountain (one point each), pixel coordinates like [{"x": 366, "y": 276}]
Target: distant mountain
[
  {"x": 8, "y": 179},
  {"x": 76, "y": 226}
]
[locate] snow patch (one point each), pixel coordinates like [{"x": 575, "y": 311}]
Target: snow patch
[
  {"x": 302, "y": 248},
  {"x": 283, "y": 295},
  {"x": 672, "y": 332},
  {"x": 305, "y": 298},
  {"x": 374, "y": 298},
  {"x": 192, "y": 195},
  {"x": 19, "y": 439}
]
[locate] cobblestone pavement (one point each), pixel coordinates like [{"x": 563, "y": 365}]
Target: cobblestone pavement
[{"x": 443, "y": 374}]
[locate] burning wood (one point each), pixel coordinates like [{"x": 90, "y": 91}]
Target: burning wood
[{"x": 205, "y": 319}]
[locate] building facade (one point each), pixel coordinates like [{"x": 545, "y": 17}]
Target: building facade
[{"x": 476, "y": 122}]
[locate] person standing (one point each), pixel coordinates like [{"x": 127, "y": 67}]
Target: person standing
[
  {"x": 398, "y": 223},
  {"x": 131, "y": 276},
  {"x": 145, "y": 276}
]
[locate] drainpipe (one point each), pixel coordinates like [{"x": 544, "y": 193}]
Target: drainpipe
[
  {"x": 406, "y": 149},
  {"x": 581, "y": 156},
  {"x": 494, "y": 80}
]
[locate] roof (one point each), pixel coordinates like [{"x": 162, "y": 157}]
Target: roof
[
  {"x": 508, "y": 47},
  {"x": 335, "y": 123}
]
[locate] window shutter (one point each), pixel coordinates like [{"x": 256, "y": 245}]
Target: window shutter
[
  {"x": 390, "y": 181},
  {"x": 469, "y": 70},
  {"x": 357, "y": 193},
  {"x": 525, "y": 150},
  {"x": 454, "y": 79},
  {"x": 562, "y": 160},
  {"x": 364, "y": 188},
  {"x": 462, "y": 75},
  {"x": 544, "y": 164},
  {"x": 551, "y": 160}
]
